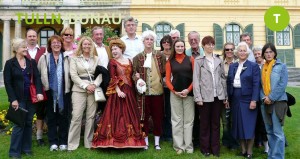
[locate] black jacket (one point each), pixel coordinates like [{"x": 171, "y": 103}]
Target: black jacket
[{"x": 14, "y": 81}]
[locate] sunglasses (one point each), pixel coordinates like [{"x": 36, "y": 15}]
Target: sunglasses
[
  {"x": 165, "y": 42},
  {"x": 228, "y": 49},
  {"x": 68, "y": 35}
]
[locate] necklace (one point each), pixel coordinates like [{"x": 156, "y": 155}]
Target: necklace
[{"x": 22, "y": 63}]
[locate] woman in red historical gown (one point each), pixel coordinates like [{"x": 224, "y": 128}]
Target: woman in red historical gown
[{"x": 119, "y": 126}]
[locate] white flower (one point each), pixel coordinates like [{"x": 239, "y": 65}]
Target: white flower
[{"x": 244, "y": 68}]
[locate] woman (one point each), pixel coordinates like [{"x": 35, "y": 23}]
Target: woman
[
  {"x": 209, "y": 86},
  {"x": 165, "y": 48},
  {"x": 119, "y": 126},
  {"x": 17, "y": 75},
  {"x": 274, "y": 77},
  {"x": 228, "y": 59},
  {"x": 181, "y": 67},
  {"x": 243, "y": 93},
  {"x": 68, "y": 41},
  {"x": 82, "y": 68},
  {"x": 260, "y": 130},
  {"x": 55, "y": 74},
  {"x": 149, "y": 67}
]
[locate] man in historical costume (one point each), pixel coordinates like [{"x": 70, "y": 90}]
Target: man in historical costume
[{"x": 148, "y": 71}]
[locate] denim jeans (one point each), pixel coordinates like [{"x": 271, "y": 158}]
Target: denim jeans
[
  {"x": 21, "y": 138},
  {"x": 275, "y": 135}
]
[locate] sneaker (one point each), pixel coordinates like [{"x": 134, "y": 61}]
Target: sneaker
[
  {"x": 53, "y": 147},
  {"x": 157, "y": 147},
  {"x": 63, "y": 147},
  {"x": 179, "y": 152}
]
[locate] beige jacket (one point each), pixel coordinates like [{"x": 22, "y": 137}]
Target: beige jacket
[
  {"x": 79, "y": 74},
  {"x": 203, "y": 82},
  {"x": 42, "y": 66}
]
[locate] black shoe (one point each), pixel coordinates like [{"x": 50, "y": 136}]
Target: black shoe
[
  {"x": 216, "y": 155},
  {"x": 40, "y": 142},
  {"x": 242, "y": 154},
  {"x": 28, "y": 153}
]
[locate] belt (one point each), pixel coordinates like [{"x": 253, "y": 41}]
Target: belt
[{"x": 86, "y": 78}]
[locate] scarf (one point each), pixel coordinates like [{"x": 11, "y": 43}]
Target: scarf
[
  {"x": 266, "y": 76},
  {"x": 56, "y": 74},
  {"x": 148, "y": 60}
]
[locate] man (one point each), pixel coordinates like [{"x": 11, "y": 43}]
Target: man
[
  {"x": 247, "y": 38},
  {"x": 104, "y": 54},
  {"x": 195, "y": 51},
  {"x": 35, "y": 52},
  {"x": 102, "y": 51},
  {"x": 194, "y": 41},
  {"x": 134, "y": 44},
  {"x": 149, "y": 65},
  {"x": 175, "y": 34}
]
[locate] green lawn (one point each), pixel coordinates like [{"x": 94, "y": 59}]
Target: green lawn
[{"x": 291, "y": 127}]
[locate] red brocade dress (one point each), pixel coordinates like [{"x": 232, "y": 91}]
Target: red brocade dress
[{"x": 119, "y": 126}]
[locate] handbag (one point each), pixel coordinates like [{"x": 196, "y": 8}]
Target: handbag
[
  {"x": 98, "y": 93},
  {"x": 32, "y": 90},
  {"x": 16, "y": 116}
]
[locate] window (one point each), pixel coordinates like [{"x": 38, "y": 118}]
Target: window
[
  {"x": 233, "y": 33},
  {"x": 283, "y": 37},
  {"x": 161, "y": 29},
  {"x": 45, "y": 33}
]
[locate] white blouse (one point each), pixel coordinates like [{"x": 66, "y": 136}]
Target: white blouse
[{"x": 237, "y": 80}]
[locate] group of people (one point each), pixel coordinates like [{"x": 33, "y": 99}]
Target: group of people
[{"x": 180, "y": 90}]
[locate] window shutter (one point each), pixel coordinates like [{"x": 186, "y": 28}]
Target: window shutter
[
  {"x": 218, "y": 35},
  {"x": 145, "y": 27},
  {"x": 180, "y": 28},
  {"x": 249, "y": 29},
  {"x": 297, "y": 36},
  {"x": 269, "y": 36}
]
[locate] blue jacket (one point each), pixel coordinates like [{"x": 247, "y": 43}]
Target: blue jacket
[
  {"x": 250, "y": 81},
  {"x": 279, "y": 79}
]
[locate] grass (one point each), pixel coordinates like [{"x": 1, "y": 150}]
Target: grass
[{"x": 292, "y": 131}]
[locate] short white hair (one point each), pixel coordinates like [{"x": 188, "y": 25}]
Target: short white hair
[
  {"x": 243, "y": 43},
  {"x": 174, "y": 32},
  {"x": 148, "y": 33},
  {"x": 257, "y": 48}
]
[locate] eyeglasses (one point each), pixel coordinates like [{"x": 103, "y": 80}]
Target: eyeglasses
[
  {"x": 269, "y": 52},
  {"x": 56, "y": 43},
  {"x": 68, "y": 35},
  {"x": 166, "y": 42},
  {"x": 228, "y": 49}
]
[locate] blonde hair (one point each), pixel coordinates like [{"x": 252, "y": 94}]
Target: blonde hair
[
  {"x": 66, "y": 29},
  {"x": 16, "y": 43},
  {"x": 79, "y": 51}
]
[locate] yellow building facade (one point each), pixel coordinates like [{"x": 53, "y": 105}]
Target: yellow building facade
[{"x": 223, "y": 19}]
